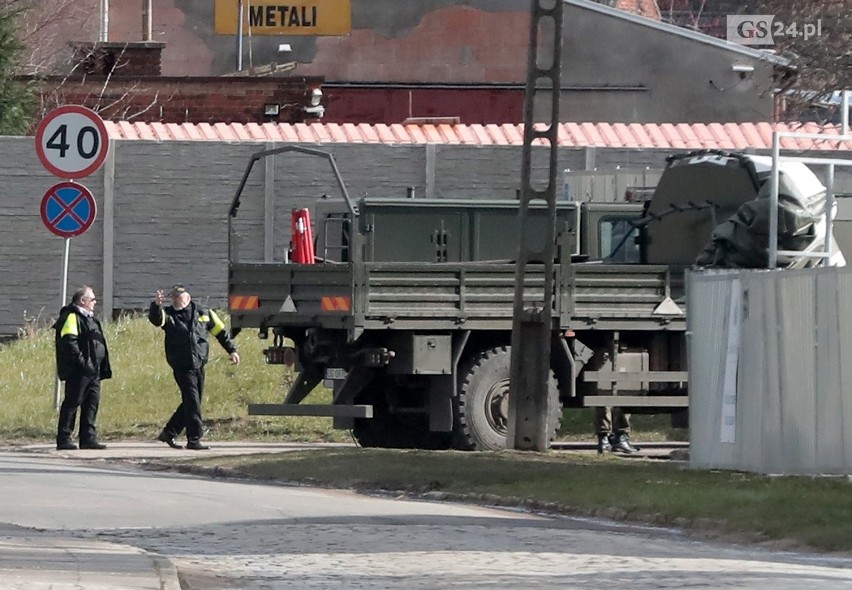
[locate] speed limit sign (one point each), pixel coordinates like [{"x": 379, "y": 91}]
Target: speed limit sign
[{"x": 72, "y": 141}]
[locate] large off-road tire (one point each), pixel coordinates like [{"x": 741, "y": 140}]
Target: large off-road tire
[
  {"x": 481, "y": 408},
  {"x": 378, "y": 431}
]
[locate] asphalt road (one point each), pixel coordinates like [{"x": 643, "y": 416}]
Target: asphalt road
[{"x": 233, "y": 534}]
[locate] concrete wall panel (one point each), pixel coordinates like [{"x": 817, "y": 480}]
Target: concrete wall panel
[
  {"x": 170, "y": 203},
  {"x": 171, "y": 217},
  {"x": 31, "y": 256}
]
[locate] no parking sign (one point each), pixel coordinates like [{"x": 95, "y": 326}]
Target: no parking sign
[{"x": 68, "y": 209}]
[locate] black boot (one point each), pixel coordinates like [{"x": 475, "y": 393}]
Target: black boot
[
  {"x": 604, "y": 446},
  {"x": 196, "y": 445},
  {"x": 621, "y": 444},
  {"x": 169, "y": 439}
]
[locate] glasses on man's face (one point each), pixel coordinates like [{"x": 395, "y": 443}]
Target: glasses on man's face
[{"x": 92, "y": 299}]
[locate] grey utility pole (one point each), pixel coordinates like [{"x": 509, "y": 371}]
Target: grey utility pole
[{"x": 533, "y": 309}]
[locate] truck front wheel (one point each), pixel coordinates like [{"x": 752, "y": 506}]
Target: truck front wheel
[{"x": 481, "y": 419}]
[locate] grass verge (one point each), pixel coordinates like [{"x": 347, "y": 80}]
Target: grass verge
[
  {"x": 802, "y": 512},
  {"x": 142, "y": 395}
]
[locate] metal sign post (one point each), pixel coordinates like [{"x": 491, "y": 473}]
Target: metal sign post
[
  {"x": 57, "y": 390},
  {"x": 71, "y": 142},
  {"x": 67, "y": 209}
]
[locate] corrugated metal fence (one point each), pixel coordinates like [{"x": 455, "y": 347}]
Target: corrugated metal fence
[{"x": 769, "y": 355}]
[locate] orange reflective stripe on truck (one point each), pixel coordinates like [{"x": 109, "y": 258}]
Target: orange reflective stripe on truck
[
  {"x": 336, "y": 303},
  {"x": 244, "y": 302}
]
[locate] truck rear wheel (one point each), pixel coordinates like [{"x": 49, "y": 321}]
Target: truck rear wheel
[
  {"x": 378, "y": 431},
  {"x": 394, "y": 431},
  {"x": 481, "y": 408},
  {"x": 399, "y": 432}
]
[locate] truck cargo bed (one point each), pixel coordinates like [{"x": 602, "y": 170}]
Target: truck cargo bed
[{"x": 441, "y": 296}]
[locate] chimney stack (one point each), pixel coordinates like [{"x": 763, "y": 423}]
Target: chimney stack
[{"x": 146, "y": 21}]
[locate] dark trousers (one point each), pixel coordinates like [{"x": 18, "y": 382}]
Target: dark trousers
[
  {"x": 188, "y": 413},
  {"x": 83, "y": 393}
]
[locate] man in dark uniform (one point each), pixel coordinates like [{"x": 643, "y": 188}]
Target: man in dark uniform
[
  {"x": 187, "y": 326},
  {"x": 82, "y": 361}
]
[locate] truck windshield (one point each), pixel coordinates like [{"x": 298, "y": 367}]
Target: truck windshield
[{"x": 618, "y": 241}]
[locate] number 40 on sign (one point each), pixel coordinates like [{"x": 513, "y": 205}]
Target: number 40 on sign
[{"x": 72, "y": 142}]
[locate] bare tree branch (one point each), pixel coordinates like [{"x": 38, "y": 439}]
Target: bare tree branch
[
  {"x": 45, "y": 31},
  {"x": 139, "y": 113}
]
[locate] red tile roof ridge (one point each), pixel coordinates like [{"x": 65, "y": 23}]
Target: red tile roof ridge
[{"x": 717, "y": 134}]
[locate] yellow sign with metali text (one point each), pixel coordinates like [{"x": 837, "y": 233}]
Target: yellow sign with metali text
[{"x": 271, "y": 17}]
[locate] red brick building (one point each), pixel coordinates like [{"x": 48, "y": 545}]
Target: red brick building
[
  {"x": 123, "y": 81},
  {"x": 459, "y": 60}
]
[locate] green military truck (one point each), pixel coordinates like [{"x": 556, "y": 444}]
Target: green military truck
[{"x": 406, "y": 314}]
